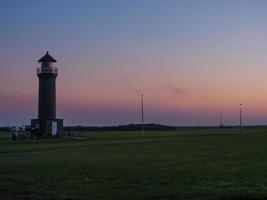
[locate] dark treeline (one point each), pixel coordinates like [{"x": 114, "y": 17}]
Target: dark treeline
[
  {"x": 137, "y": 127},
  {"x": 129, "y": 127},
  {"x": 4, "y": 128},
  {"x": 148, "y": 127}
]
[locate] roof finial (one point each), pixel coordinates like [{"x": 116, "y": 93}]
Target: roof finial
[{"x": 46, "y": 52}]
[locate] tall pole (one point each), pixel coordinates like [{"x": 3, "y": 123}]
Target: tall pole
[
  {"x": 72, "y": 120},
  {"x": 221, "y": 119},
  {"x": 240, "y": 117},
  {"x": 72, "y": 128},
  {"x": 142, "y": 105}
]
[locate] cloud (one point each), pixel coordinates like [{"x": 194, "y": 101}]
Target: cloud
[{"x": 175, "y": 90}]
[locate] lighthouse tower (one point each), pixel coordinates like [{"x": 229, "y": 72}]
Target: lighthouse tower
[{"x": 47, "y": 124}]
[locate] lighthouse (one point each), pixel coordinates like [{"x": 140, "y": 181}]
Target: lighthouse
[{"x": 47, "y": 124}]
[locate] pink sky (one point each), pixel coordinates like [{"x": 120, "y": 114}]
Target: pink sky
[{"x": 192, "y": 60}]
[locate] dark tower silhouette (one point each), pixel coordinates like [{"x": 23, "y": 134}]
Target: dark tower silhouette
[{"x": 47, "y": 124}]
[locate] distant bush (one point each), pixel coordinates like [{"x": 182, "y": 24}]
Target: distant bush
[{"x": 129, "y": 127}]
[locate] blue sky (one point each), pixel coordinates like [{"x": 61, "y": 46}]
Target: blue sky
[{"x": 111, "y": 51}]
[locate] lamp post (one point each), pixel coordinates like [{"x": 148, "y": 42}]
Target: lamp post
[
  {"x": 72, "y": 128},
  {"x": 221, "y": 119},
  {"x": 142, "y": 108},
  {"x": 240, "y": 117}
]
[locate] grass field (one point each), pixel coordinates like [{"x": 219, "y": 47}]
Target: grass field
[{"x": 183, "y": 164}]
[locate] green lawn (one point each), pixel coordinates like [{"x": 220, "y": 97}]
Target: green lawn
[{"x": 183, "y": 164}]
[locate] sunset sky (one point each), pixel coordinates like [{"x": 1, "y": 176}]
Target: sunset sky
[{"x": 193, "y": 59}]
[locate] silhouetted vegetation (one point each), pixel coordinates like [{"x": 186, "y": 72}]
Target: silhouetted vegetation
[{"x": 129, "y": 127}]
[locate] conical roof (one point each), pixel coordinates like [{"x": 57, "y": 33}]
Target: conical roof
[{"x": 47, "y": 58}]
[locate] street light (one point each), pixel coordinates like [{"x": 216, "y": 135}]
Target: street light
[
  {"x": 221, "y": 119},
  {"x": 240, "y": 117},
  {"x": 142, "y": 106}
]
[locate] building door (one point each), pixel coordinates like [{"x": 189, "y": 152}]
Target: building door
[{"x": 54, "y": 128}]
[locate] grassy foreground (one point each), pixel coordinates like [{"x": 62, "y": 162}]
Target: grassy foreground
[{"x": 183, "y": 164}]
